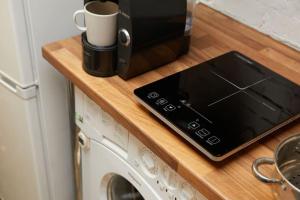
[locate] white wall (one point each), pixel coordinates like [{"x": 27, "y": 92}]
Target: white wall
[{"x": 277, "y": 18}]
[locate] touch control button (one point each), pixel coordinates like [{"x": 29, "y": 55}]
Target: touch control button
[
  {"x": 193, "y": 125},
  {"x": 148, "y": 163},
  {"x": 161, "y": 101},
  {"x": 153, "y": 95},
  {"x": 213, "y": 140},
  {"x": 170, "y": 107},
  {"x": 186, "y": 193},
  {"x": 203, "y": 133}
]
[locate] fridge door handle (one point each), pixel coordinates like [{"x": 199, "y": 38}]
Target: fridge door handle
[
  {"x": 27, "y": 93},
  {"x": 24, "y": 93},
  {"x": 8, "y": 84}
]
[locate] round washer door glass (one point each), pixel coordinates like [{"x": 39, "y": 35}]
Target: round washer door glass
[{"x": 120, "y": 189}]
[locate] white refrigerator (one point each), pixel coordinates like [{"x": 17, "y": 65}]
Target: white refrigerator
[{"x": 35, "y": 144}]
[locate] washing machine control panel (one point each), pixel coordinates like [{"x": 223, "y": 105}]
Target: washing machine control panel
[
  {"x": 169, "y": 178},
  {"x": 148, "y": 162},
  {"x": 186, "y": 193},
  {"x": 157, "y": 173},
  {"x": 100, "y": 126}
]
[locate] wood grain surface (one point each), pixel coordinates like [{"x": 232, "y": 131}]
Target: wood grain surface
[{"x": 213, "y": 34}]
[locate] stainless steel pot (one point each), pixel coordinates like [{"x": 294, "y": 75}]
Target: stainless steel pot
[{"x": 286, "y": 177}]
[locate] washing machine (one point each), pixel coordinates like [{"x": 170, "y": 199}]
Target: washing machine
[{"x": 114, "y": 165}]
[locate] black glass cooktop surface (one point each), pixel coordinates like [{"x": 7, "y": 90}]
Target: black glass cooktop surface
[{"x": 224, "y": 104}]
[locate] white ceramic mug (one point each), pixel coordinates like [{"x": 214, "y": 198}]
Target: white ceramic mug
[{"x": 100, "y": 20}]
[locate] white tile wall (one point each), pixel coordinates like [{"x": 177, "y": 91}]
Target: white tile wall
[{"x": 277, "y": 18}]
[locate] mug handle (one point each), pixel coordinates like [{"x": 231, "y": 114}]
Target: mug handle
[
  {"x": 82, "y": 28},
  {"x": 255, "y": 170}
]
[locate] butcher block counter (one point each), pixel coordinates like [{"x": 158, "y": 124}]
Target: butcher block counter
[{"x": 213, "y": 34}]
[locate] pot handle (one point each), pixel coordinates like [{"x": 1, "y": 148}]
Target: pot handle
[{"x": 255, "y": 170}]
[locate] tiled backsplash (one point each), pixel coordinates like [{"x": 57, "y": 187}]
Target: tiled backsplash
[{"x": 277, "y": 18}]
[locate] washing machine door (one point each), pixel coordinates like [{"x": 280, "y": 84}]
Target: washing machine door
[
  {"x": 120, "y": 189},
  {"x": 108, "y": 176}
]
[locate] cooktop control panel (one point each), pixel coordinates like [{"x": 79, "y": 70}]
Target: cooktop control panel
[{"x": 224, "y": 104}]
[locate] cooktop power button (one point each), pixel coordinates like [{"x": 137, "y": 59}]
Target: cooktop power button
[
  {"x": 153, "y": 95},
  {"x": 193, "y": 125},
  {"x": 202, "y": 133},
  {"x": 161, "y": 101},
  {"x": 170, "y": 107},
  {"x": 213, "y": 140}
]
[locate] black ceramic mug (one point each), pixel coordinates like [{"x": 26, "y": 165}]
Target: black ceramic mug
[{"x": 99, "y": 61}]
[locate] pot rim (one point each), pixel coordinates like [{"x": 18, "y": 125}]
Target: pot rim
[{"x": 278, "y": 148}]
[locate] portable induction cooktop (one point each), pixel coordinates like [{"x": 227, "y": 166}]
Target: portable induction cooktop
[{"x": 223, "y": 105}]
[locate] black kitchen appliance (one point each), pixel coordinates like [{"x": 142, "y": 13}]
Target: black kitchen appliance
[
  {"x": 151, "y": 33},
  {"x": 223, "y": 105}
]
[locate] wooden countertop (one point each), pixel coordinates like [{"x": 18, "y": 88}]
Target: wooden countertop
[{"x": 213, "y": 35}]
